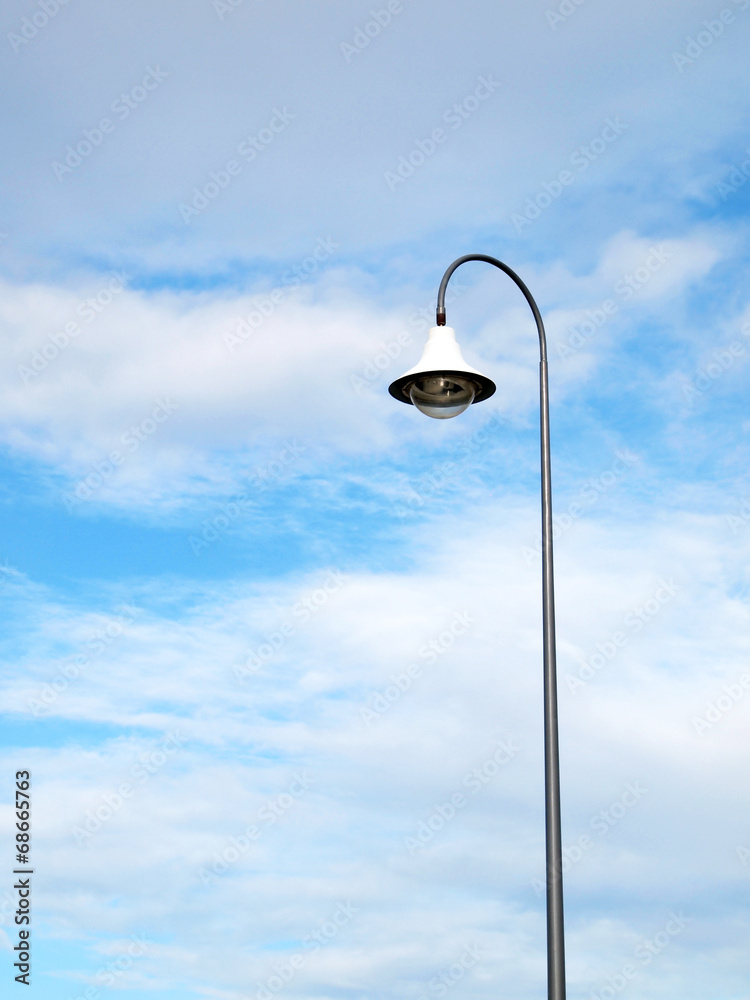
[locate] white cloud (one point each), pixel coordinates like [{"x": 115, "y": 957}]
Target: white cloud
[
  {"x": 655, "y": 268},
  {"x": 144, "y": 394},
  {"x": 325, "y": 172},
  {"x": 370, "y": 784}
]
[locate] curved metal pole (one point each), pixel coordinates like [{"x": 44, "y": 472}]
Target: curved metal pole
[{"x": 555, "y": 926}]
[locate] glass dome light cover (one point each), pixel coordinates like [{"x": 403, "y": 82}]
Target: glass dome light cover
[{"x": 442, "y": 361}]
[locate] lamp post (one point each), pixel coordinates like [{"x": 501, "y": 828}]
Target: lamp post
[{"x": 442, "y": 385}]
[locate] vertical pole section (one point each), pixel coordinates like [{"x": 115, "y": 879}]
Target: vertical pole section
[{"x": 555, "y": 929}]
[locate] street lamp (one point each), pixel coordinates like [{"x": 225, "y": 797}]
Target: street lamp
[{"x": 442, "y": 385}]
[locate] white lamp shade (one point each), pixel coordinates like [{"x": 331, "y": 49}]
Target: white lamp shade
[{"x": 441, "y": 358}]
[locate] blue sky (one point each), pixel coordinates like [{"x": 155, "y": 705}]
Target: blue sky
[{"x": 272, "y": 644}]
